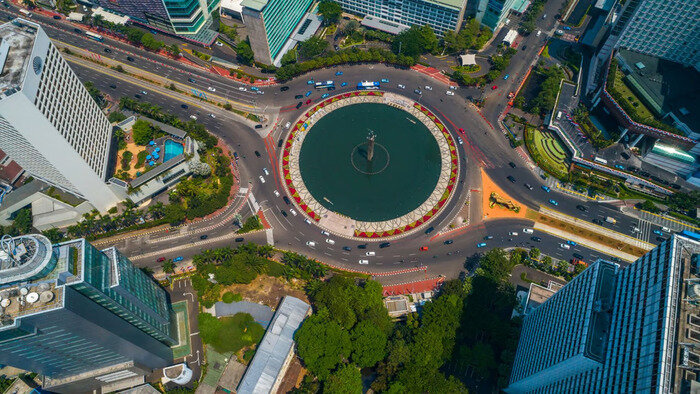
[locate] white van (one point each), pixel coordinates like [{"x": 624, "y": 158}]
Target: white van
[
  {"x": 370, "y": 253},
  {"x": 564, "y": 246},
  {"x": 310, "y": 243},
  {"x": 527, "y": 231},
  {"x": 330, "y": 241},
  {"x": 559, "y": 115},
  {"x": 364, "y": 262}
]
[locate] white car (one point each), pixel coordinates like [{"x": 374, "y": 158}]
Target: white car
[
  {"x": 428, "y": 87},
  {"x": 326, "y": 233},
  {"x": 266, "y": 172},
  {"x": 452, "y": 87},
  {"x": 564, "y": 246},
  {"x": 401, "y": 86},
  {"x": 310, "y": 243},
  {"x": 666, "y": 229},
  {"x": 286, "y": 126},
  {"x": 514, "y": 233},
  {"x": 364, "y": 262},
  {"x": 260, "y": 92},
  {"x": 539, "y": 32},
  {"x": 219, "y": 43},
  {"x": 330, "y": 241},
  {"x": 242, "y": 89},
  {"x": 450, "y": 93},
  {"x": 211, "y": 89},
  {"x": 459, "y": 139},
  {"x": 293, "y": 211},
  {"x": 261, "y": 179},
  {"x": 193, "y": 117},
  {"x": 307, "y": 221},
  {"x": 527, "y": 231},
  {"x": 213, "y": 116},
  {"x": 276, "y": 193},
  {"x": 370, "y": 254}
]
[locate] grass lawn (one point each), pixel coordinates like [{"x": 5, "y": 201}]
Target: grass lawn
[
  {"x": 183, "y": 348},
  {"x": 549, "y": 153},
  {"x": 630, "y": 97},
  {"x": 231, "y": 333}
]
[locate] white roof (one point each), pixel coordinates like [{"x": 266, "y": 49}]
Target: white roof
[
  {"x": 468, "y": 60},
  {"x": 232, "y": 5},
  {"x": 510, "y": 37},
  {"x": 110, "y": 17}
]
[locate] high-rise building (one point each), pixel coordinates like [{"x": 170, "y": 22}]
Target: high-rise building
[
  {"x": 661, "y": 28},
  {"x": 188, "y": 19},
  {"x": 441, "y": 15},
  {"x": 49, "y": 123},
  {"x": 270, "y": 24},
  {"x": 492, "y": 13},
  {"x": 618, "y": 330},
  {"x": 81, "y": 317}
]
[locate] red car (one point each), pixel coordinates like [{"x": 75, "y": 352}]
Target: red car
[
  {"x": 494, "y": 87},
  {"x": 308, "y": 102},
  {"x": 161, "y": 259},
  {"x": 423, "y": 248},
  {"x": 461, "y": 130}
]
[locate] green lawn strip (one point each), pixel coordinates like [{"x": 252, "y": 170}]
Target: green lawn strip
[
  {"x": 216, "y": 363},
  {"x": 184, "y": 349},
  {"x": 230, "y": 333},
  {"x": 631, "y": 97}
]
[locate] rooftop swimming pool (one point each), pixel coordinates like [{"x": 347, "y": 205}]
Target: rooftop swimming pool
[{"x": 172, "y": 149}]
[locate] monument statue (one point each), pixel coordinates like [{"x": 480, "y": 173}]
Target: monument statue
[{"x": 370, "y": 145}]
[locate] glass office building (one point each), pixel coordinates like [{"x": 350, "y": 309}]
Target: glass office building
[
  {"x": 92, "y": 310},
  {"x": 492, "y": 13},
  {"x": 618, "y": 330}
]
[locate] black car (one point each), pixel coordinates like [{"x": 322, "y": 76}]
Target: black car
[
  {"x": 284, "y": 88},
  {"x": 299, "y": 104},
  {"x": 284, "y": 213},
  {"x": 524, "y": 47},
  {"x": 113, "y": 86},
  {"x": 385, "y": 244},
  {"x": 257, "y": 153},
  {"x": 183, "y": 106},
  {"x": 597, "y": 221},
  {"x": 511, "y": 164},
  {"x": 676, "y": 186},
  {"x": 298, "y": 96},
  {"x": 279, "y": 143},
  {"x": 107, "y": 50},
  {"x": 578, "y": 256},
  {"x": 286, "y": 200},
  {"x": 581, "y": 208},
  {"x": 191, "y": 80},
  {"x": 331, "y": 88},
  {"x": 448, "y": 242},
  {"x": 625, "y": 155},
  {"x": 138, "y": 96},
  {"x": 510, "y": 178},
  {"x": 129, "y": 58},
  {"x": 429, "y": 230},
  {"x": 56, "y": 17},
  {"x": 362, "y": 246},
  {"x": 528, "y": 186},
  {"x": 204, "y": 236},
  {"x": 258, "y": 126},
  {"x": 77, "y": 30},
  {"x": 536, "y": 239},
  {"x": 347, "y": 248},
  {"x": 239, "y": 239}
]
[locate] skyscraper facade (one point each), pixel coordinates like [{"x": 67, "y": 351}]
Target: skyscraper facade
[
  {"x": 617, "y": 330},
  {"x": 67, "y": 310},
  {"x": 49, "y": 123},
  {"x": 492, "y": 13}
]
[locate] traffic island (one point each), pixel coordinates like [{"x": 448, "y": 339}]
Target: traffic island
[{"x": 497, "y": 204}]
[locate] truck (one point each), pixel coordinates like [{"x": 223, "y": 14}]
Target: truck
[{"x": 610, "y": 220}]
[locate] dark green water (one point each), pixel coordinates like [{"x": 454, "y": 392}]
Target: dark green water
[{"x": 404, "y": 170}]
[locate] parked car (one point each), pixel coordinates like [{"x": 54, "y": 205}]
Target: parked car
[
  {"x": 343, "y": 84},
  {"x": 261, "y": 179},
  {"x": 239, "y": 239},
  {"x": 505, "y": 77},
  {"x": 338, "y": 73},
  {"x": 330, "y": 241},
  {"x": 481, "y": 244},
  {"x": 310, "y": 243},
  {"x": 299, "y": 104},
  {"x": 513, "y": 233},
  {"x": 570, "y": 242},
  {"x": 494, "y": 87},
  {"x": 347, "y": 248},
  {"x": 362, "y": 246},
  {"x": 417, "y": 91},
  {"x": 283, "y": 212},
  {"x": 581, "y": 208},
  {"x": 370, "y": 253},
  {"x": 308, "y": 102},
  {"x": 325, "y": 95},
  {"x": 488, "y": 237},
  {"x": 160, "y": 259},
  {"x": 449, "y": 93},
  {"x": 511, "y": 164},
  {"x": 178, "y": 258},
  {"x": 326, "y": 233},
  {"x": 536, "y": 239},
  {"x": 428, "y": 87},
  {"x": 528, "y": 186},
  {"x": 257, "y": 153},
  {"x": 363, "y": 262},
  {"x": 254, "y": 88},
  {"x": 401, "y": 86},
  {"x": 564, "y": 246},
  {"x": 310, "y": 82},
  {"x": 211, "y": 89},
  {"x": 657, "y": 232}
]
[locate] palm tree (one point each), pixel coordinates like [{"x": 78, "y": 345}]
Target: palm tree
[{"x": 266, "y": 251}]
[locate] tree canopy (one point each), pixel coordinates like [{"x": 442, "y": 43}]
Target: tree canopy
[
  {"x": 415, "y": 41},
  {"x": 322, "y": 344},
  {"x": 346, "y": 380},
  {"x": 330, "y": 11},
  {"x": 312, "y": 47}
]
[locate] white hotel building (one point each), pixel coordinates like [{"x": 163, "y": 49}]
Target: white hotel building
[{"x": 49, "y": 124}]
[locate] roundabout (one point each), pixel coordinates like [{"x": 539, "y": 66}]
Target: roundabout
[{"x": 369, "y": 164}]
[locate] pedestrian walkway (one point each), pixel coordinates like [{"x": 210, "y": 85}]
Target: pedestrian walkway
[
  {"x": 664, "y": 221},
  {"x": 434, "y": 73}
]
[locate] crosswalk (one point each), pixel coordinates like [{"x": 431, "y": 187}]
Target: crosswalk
[{"x": 672, "y": 224}]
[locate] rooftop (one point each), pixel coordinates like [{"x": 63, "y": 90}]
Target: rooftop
[
  {"x": 458, "y": 4},
  {"x": 672, "y": 152},
  {"x": 16, "y": 43},
  {"x": 256, "y": 5},
  {"x": 383, "y": 25}
]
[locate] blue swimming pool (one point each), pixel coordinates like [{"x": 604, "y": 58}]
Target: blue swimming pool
[{"x": 172, "y": 149}]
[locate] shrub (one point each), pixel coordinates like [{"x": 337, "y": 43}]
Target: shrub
[{"x": 230, "y": 297}]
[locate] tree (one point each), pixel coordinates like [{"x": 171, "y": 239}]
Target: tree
[
  {"x": 330, "y": 11},
  {"x": 312, "y": 47},
  {"x": 116, "y": 116},
  {"x": 368, "y": 344},
  {"x": 346, "y": 380},
  {"x": 351, "y": 27},
  {"x": 244, "y": 53},
  {"x": 534, "y": 253},
  {"x": 415, "y": 41},
  {"x": 168, "y": 266},
  {"x": 54, "y": 235},
  {"x": 289, "y": 57},
  {"x": 322, "y": 344},
  {"x": 23, "y": 221},
  {"x": 496, "y": 265},
  {"x": 149, "y": 41},
  {"x": 142, "y": 132}
]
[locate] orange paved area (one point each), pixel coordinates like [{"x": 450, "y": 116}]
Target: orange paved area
[
  {"x": 420, "y": 286},
  {"x": 497, "y": 212}
]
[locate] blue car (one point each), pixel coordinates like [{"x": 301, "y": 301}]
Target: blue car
[
  {"x": 546, "y": 188},
  {"x": 310, "y": 82},
  {"x": 325, "y": 95},
  {"x": 254, "y": 88},
  {"x": 343, "y": 84},
  {"x": 384, "y": 80},
  {"x": 178, "y": 258},
  {"x": 553, "y": 202},
  {"x": 657, "y": 232},
  {"x": 506, "y": 76},
  {"x": 572, "y": 243},
  {"x": 308, "y": 93},
  {"x": 338, "y": 73},
  {"x": 481, "y": 244},
  {"x": 567, "y": 28},
  {"x": 619, "y": 167}
]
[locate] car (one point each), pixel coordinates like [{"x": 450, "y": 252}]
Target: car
[
  {"x": 505, "y": 77},
  {"x": 262, "y": 180},
  {"x": 461, "y": 130},
  {"x": 307, "y": 94},
  {"x": 553, "y": 202},
  {"x": 276, "y": 193},
  {"x": 57, "y": 17},
  {"x": 401, "y": 86},
  {"x": 211, "y": 89},
  {"x": 338, "y": 73},
  {"x": 292, "y": 211},
  {"x": 536, "y": 239},
  {"x": 481, "y": 244},
  {"x": 280, "y": 142},
  {"x": 178, "y": 258},
  {"x": 513, "y": 233},
  {"x": 257, "y": 153},
  {"x": 331, "y": 88},
  {"x": 564, "y": 246},
  {"x": 144, "y": 92},
  {"x": 235, "y": 155},
  {"x": 511, "y": 178},
  {"x": 370, "y": 253},
  {"x": 567, "y": 28},
  {"x": 286, "y": 126},
  {"x": 138, "y": 96},
  {"x": 299, "y": 104},
  {"x": 286, "y": 200},
  {"x": 544, "y": 16},
  {"x": 129, "y": 58},
  {"x": 239, "y": 239},
  {"x": 363, "y": 262},
  {"x": 528, "y": 186},
  {"x": 494, "y": 87},
  {"x": 384, "y": 80},
  {"x": 107, "y": 50},
  {"x": 448, "y": 242},
  {"x": 385, "y": 244},
  {"x": 581, "y": 208},
  {"x": 326, "y": 233},
  {"x": 657, "y": 232},
  {"x": 308, "y": 102},
  {"x": 193, "y": 117},
  {"x": 212, "y": 116},
  {"x": 559, "y": 32},
  {"x": 113, "y": 86},
  {"x": 307, "y": 221},
  {"x": 429, "y": 230},
  {"x": 578, "y": 256},
  {"x": 427, "y": 87},
  {"x": 343, "y": 84},
  {"x": 362, "y": 246},
  {"x": 417, "y": 91},
  {"x": 453, "y": 87},
  {"x": 265, "y": 171},
  {"x": 619, "y": 167},
  {"x": 184, "y": 106},
  {"x": 160, "y": 259},
  {"x": 539, "y": 32},
  {"x": 570, "y": 242},
  {"x": 676, "y": 186},
  {"x": 459, "y": 139},
  {"x": 298, "y": 96},
  {"x": 203, "y": 236},
  {"x": 310, "y": 82},
  {"x": 597, "y": 221},
  {"x": 423, "y": 249},
  {"x": 258, "y": 126},
  {"x": 191, "y": 80},
  {"x": 254, "y": 88},
  {"x": 347, "y": 248},
  {"x": 666, "y": 229},
  {"x": 75, "y": 30},
  {"x": 325, "y": 95},
  {"x": 283, "y": 212},
  {"x": 524, "y": 47},
  {"x": 511, "y": 164},
  {"x": 546, "y": 188},
  {"x": 330, "y": 241},
  {"x": 450, "y": 93},
  {"x": 310, "y": 243},
  {"x": 284, "y": 88}
]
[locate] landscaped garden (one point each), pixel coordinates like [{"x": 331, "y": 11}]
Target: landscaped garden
[
  {"x": 547, "y": 150},
  {"x": 230, "y": 333}
]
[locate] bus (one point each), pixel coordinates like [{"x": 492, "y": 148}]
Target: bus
[
  {"x": 367, "y": 85},
  {"x": 601, "y": 161},
  {"x": 94, "y": 36},
  {"x": 324, "y": 84},
  {"x": 25, "y": 12}
]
